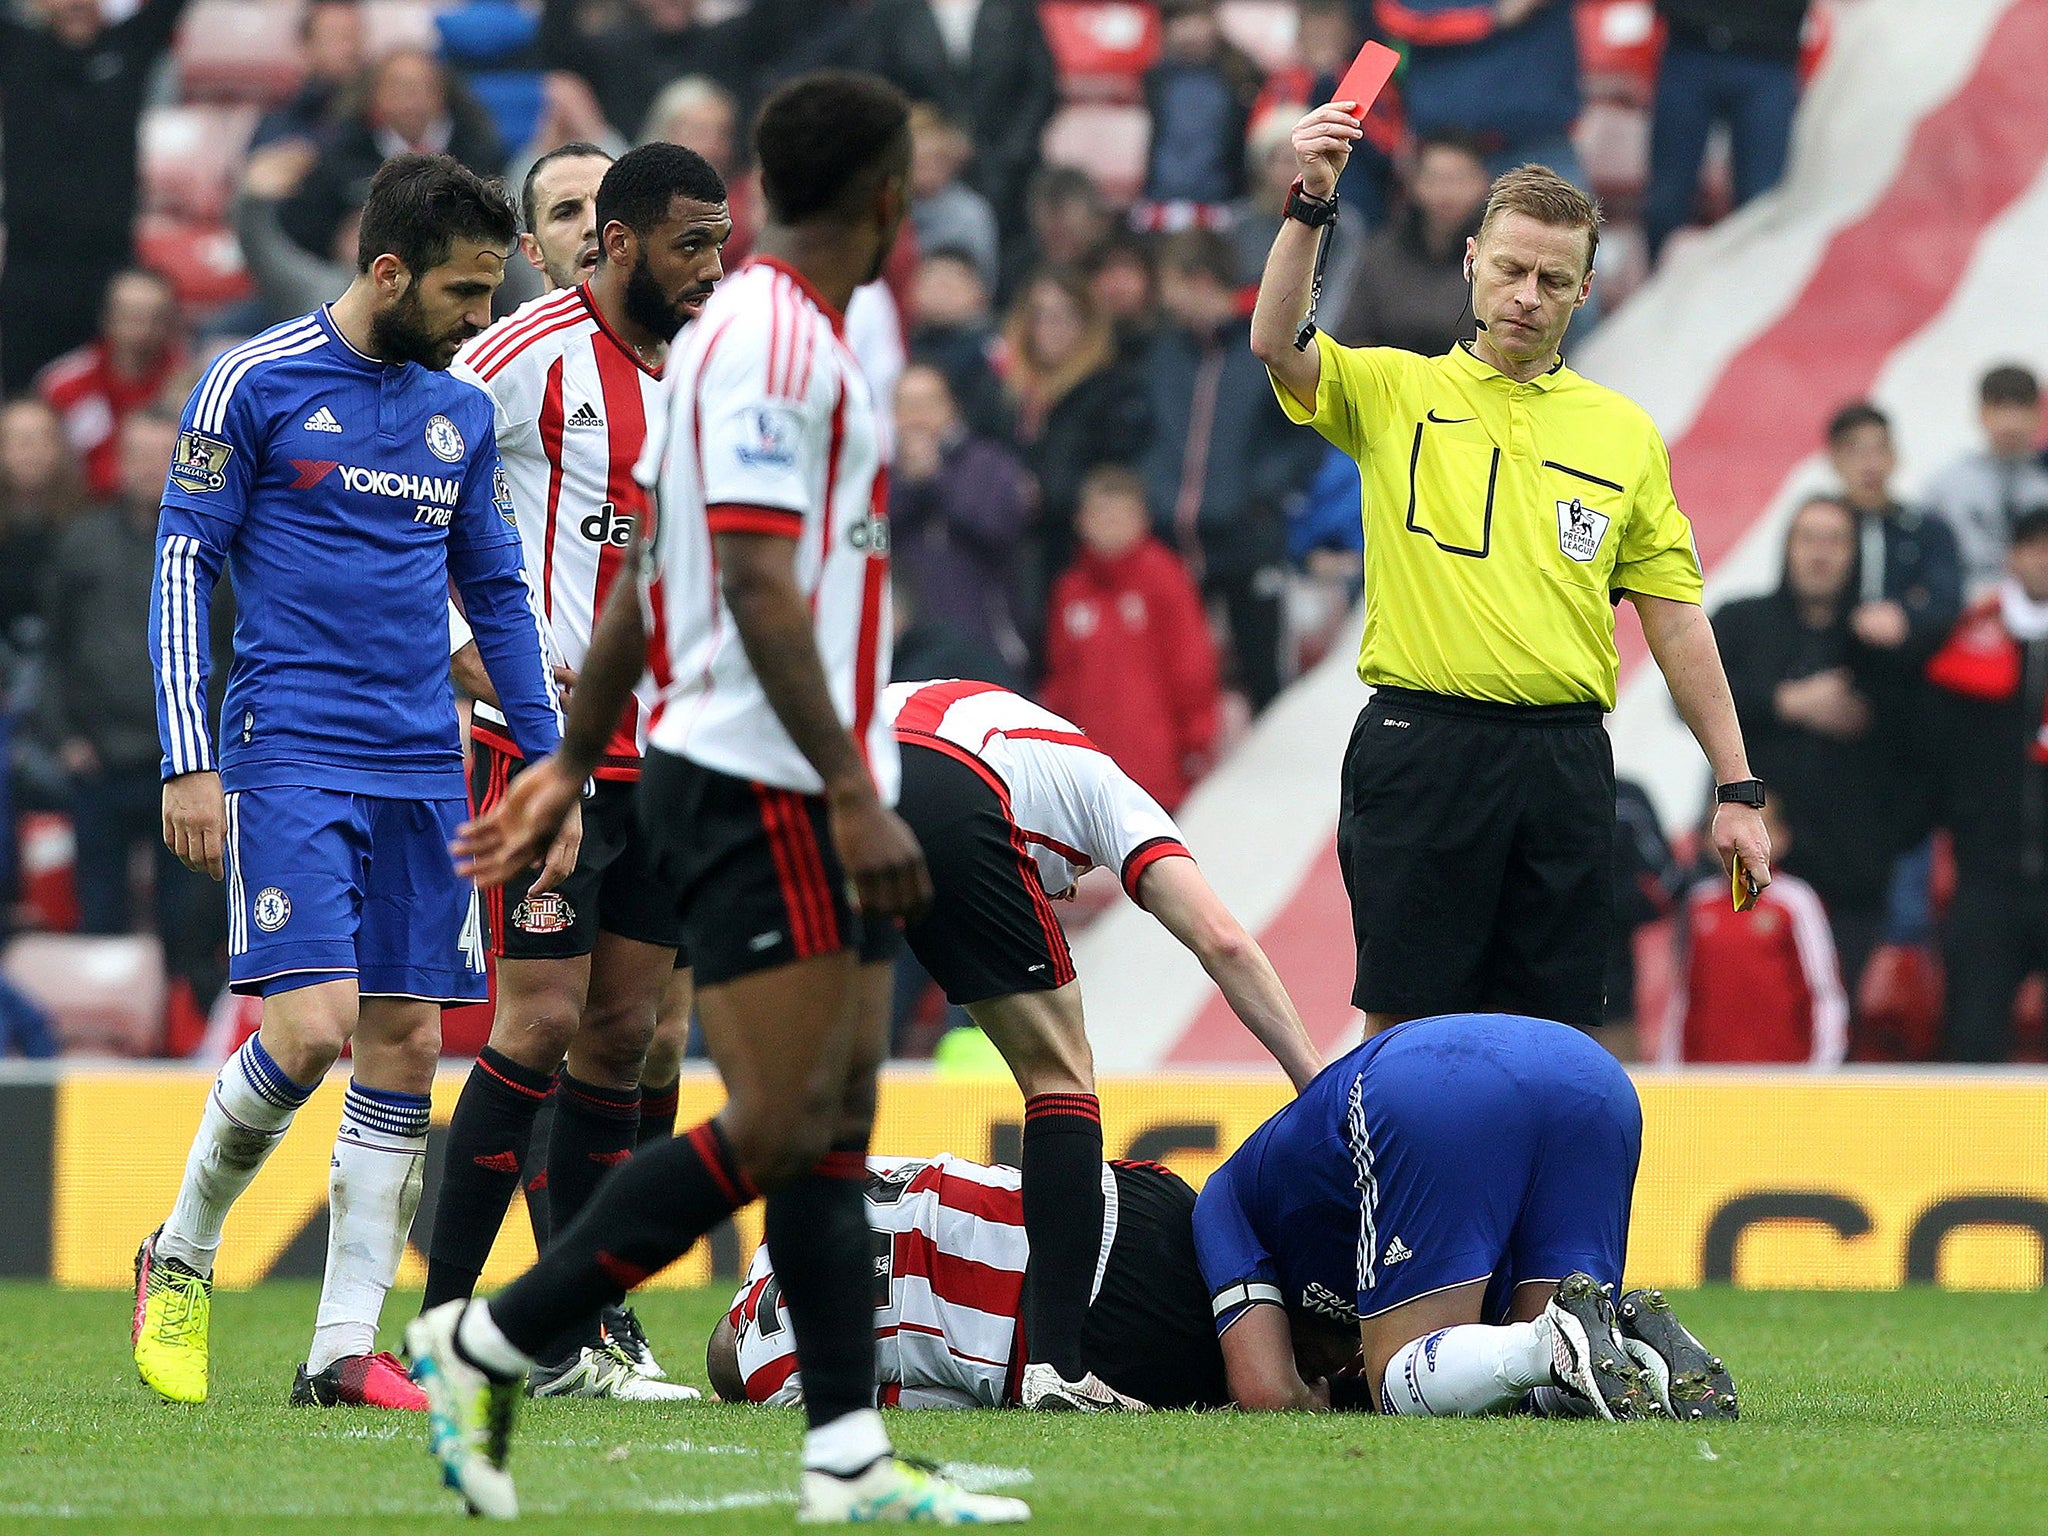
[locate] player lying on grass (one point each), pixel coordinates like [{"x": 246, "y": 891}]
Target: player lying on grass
[
  {"x": 1447, "y": 1208},
  {"x": 1012, "y": 805},
  {"x": 951, "y": 1250}
]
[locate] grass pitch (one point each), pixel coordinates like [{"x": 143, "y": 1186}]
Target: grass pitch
[{"x": 1909, "y": 1411}]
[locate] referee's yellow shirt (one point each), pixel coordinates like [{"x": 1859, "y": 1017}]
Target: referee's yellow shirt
[{"x": 1501, "y": 520}]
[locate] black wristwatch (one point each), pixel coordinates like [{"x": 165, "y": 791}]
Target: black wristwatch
[
  {"x": 1315, "y": 212},
  {"x": 1749, "y": 792}
]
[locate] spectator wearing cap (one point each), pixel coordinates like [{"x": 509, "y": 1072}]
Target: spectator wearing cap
[
  {"x": 946, "y": 213},
  {"x": 986, "y": 65},
  {"x": 1200, "y": 95},
  {"x": 1982, "y": 494},
  {"x": 410, "y": 103},
  {"x": 1075, "y": 406},
  {"x": 1726, "y": 63},
  {"x": 72, "y": 90},
  {"x": 959, "y": 504},
  {"x": 1504, "y": 71},
  {"x": 139, "y": 347},
  {"x": 1223, "y": 462},
  {"x": 1410, "y": 289},
  {"x": 1804, "y": 688},
  {"x": 331, "y": 52},
  {"x": 1990, "y": 736}
]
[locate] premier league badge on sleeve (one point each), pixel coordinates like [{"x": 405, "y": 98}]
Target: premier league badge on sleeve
[
  {"x": 444, "y": 441},
  {"x": 501, "y": 495},
  {"x": 1580, "y": 529},
  {"x": 771, "y": 439},
  {"x": 199, "y": 462}
]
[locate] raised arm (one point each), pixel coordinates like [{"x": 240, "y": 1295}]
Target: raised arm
[
  {"x": 1682, "y": 641},
  {"x": 1174, "y": 891},
  {"x": 1322, "y": 144}
]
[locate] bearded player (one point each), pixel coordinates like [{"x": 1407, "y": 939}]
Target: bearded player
[
  {"x": 582, "y": 964},
  {"x": 344, "y": 479}
]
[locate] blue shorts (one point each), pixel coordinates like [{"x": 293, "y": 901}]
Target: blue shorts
[
  {"x": 1497, "y": 1156},
  {"x": 324, "y": 885}
]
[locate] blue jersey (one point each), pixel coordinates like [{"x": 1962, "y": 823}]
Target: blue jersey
[
  {"x": 344, "y": 495},
  {"x": 1478, "y": 1146}
]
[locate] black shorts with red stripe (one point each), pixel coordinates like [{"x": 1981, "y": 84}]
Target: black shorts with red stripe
[
  {"x": 1150, "y": 1330},
  {"x": 757, "y": 880},
  {"x": 613, "y": 888},
  {"x": 991, "y": 931}
]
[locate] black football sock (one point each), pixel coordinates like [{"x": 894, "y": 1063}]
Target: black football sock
[
  {"x": 642, "y": 1219},
  {"x": 658, "y": 1111},
  {"x": 539, "y": 1216},
  {"x": 487, "y": 1142},
  {"x": 594, "y": 1133},
  {"x": 817, "y": 1228},
  {"x": 1062, "y": 1222}
]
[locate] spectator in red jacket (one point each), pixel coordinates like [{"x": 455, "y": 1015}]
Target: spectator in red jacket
[
  {"x": 124, "y": 368},
  {"x": 1761, "y": 985},
  {"x": 1129, "y": 657}
]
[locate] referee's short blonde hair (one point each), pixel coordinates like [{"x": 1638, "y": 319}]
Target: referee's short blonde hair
[{"x": 1545, "y": 196}]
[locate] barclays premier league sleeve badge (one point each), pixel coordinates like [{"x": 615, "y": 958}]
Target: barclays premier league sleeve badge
[
  {"x": 501, "y": 495},
  {"x": 199, "y": 463}
]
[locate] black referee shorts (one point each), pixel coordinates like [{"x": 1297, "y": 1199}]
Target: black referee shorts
[
  {"x": 1150, "y": 1331},
  {"x": 757, "y": 881},
  {"x": 991, "y": 930},
  {"x": 1477, "y": 843}
]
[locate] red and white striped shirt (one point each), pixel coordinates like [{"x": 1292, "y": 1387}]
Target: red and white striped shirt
[
  {"x": 1070, "y": 803},
  {"x": 573, "y": 403},
  {"x": 947, "y": 1329},
  {"x": 769, "y": 427}
]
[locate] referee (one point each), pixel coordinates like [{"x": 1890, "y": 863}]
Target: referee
[{"x": 1509, "y": 504}]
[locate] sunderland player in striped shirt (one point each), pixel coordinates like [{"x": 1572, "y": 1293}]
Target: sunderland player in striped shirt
[
  {"x": 582, "y": 964},
  {"x": 766, "y": 790},
  {"x": 344, "y": 479},
  {"x": 1013, "y": 804},
  {"x": 951, "y": 1253}
]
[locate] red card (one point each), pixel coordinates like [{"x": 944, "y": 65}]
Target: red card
[{"x": 1367, "y": 76}]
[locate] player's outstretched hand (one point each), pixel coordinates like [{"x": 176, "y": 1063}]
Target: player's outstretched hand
[
  {"x": 561, "y": 859},
  {"x": 518, "y": 833},
  {"x": 881, "y": 857},
  {"x": 1739, "y": 834},
  {"x": 195, "y": 821},
  {"x": 1322, "y": 144}
]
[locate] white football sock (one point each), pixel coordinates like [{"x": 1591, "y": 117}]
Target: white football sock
[
  {"x": 247, "y": 1113},
  {"x": 480, "y": 1340},
  {"x": 849, "y": 1444},
  {"x": 1466, "y": 1370},
  {"x": 372, "y": 1192},
  {"x": 1556, "y": 1403}
]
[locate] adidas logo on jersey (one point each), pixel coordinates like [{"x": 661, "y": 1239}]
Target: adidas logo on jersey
[
  {"x": 1397, "y": 1252},
  {"x": 322, "y": 420},
  {"x": 584, "y": 416}
]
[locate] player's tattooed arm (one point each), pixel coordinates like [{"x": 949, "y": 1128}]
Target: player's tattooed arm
[{"x": 757, "y": 577}]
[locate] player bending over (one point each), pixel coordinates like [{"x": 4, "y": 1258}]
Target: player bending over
[
  {"x": 583, "y": 963},
  {"x": 951, "y": 1252},
  {"x": 1013, "y": 805},
  {"x": 344, "y": 478},
  {"x": 1448, "y": 1204}
]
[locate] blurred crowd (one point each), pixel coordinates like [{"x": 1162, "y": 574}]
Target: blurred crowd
[{"x": 1095, "y": 496}]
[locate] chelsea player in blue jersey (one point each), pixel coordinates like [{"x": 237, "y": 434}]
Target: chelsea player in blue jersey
[
  {"x": 1436, "y": 1227},
  {"x": 344, "y": 479}
]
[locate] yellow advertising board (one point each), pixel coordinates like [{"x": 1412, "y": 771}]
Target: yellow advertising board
[{"x": 1765, "y": 1179}]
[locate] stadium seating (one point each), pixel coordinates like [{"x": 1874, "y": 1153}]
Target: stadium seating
[
  {"x": 202, "y": 259},
  {"x": 239, "y": 50},
  {"x": 105, "y": 996},
  {"x": 1100, "y": 48},
  {"x": 1106, "y": 140},
  {"x": 190, "y": 157},
  {"x": 1265, "y": 29}
]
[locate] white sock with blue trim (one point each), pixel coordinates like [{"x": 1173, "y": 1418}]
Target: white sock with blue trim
[
  {"x": 247, "y": 1113},
  {"x": 1470, "y": 1369},
  {"x": 372, "y": 1191}
]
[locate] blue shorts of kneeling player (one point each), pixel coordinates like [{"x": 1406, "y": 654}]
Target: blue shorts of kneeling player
[
  {"x": 324, "y": 885},
  {"x": 1471, "y": 1150}
]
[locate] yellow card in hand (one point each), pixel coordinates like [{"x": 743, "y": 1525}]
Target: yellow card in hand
[{"x": 1744, "y": 887}]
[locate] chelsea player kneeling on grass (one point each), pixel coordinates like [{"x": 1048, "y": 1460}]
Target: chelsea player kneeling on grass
[{"x": 1446, "y": 1208}]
